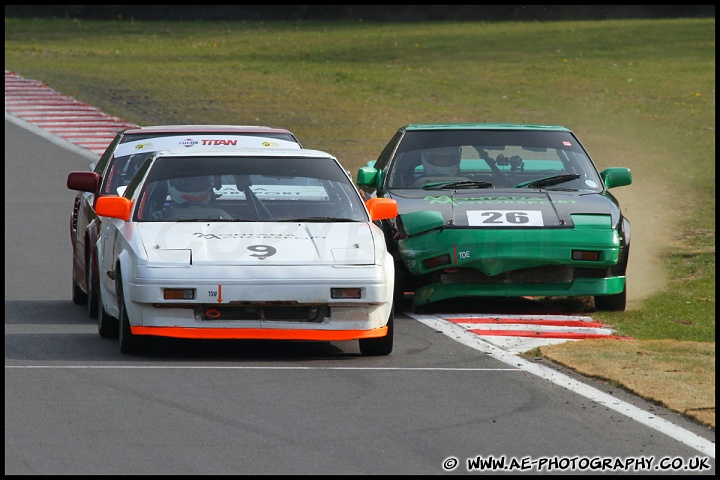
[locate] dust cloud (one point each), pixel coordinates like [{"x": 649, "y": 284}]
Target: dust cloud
[{"x": 652, "y": 216}]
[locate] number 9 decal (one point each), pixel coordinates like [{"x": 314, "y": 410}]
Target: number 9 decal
[{"x": 263, "y": 251}]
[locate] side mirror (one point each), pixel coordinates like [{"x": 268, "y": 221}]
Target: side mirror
[
  {"x": 114, "y": 207},
  {"x": 382, "y": 208},
  {"x": 616, "y": 177},
  {"x": 369, "y": 177},
  {"x": 84, "y": 181}
]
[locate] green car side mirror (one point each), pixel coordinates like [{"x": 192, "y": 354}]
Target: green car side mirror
[
  {"x": 616, "y": 177},
  {"x": 369, "y": 177}
]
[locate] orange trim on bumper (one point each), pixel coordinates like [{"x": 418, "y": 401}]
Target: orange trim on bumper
[{"x": 259, "y": 333}]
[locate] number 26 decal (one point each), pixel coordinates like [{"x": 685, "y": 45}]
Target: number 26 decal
[
  {"x": 508, "y": 218},
  {"x": 262, "y": 251}
]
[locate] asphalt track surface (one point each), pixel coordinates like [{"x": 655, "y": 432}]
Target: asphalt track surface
[{"x": 70, "y": 124}]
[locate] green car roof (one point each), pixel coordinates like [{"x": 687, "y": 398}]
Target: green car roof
[{"x": 483, "y": 126}]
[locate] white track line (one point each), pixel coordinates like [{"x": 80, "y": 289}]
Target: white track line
[{"x": 648, "y": 419}]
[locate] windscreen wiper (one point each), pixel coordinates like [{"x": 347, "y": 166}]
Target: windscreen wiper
[
  {"x": 548, "y": 181},
  {"x": 462, "y": 184},
  {"x": 318, "y": 219}
]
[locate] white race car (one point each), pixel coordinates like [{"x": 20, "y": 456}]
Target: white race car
[
  {"x": 245, "y": 244},
  {"x": 117, "y": 165}
]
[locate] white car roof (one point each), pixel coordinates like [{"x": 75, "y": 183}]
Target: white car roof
[
  {"x": 247, "y": 152},
  {"x": 205, "y": 129}
]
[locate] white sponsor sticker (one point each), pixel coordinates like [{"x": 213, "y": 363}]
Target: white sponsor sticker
[
  {"x": 505, "y": 218},
  {"x": 215, "y": 142},
  {"x": 277, "y": 192}
]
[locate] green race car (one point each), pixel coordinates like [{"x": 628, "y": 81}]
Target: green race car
[{"x": 501, "y": 210}]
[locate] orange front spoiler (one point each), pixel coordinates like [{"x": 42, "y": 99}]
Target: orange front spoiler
[{"x": 259, "y": 333}]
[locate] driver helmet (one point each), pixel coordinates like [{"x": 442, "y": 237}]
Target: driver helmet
[
  {"x": 441, "y": 161},
  {"x": 191, "y": 189}
]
